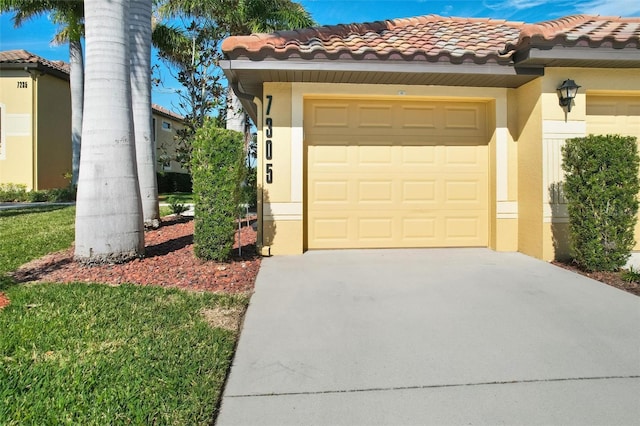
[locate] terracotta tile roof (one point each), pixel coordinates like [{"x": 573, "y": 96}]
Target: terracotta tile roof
[
  {"x": 24, "y": 57},
  {"x": 433, "y": 38},
  {"x": 167, "y": 113},
  {"x": 582, "y": 30},
  {"x": 425, "y": 38}
]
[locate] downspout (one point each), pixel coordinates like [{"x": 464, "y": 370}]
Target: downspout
[
  {"x": 34, "y": 74},
  {"x": 265, "y": 251}
]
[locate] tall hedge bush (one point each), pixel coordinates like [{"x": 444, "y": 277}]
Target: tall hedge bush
[
  {"x": 217, "y": 170},
  {"x": 601, "y": 187}
]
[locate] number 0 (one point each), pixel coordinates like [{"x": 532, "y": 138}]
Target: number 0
[{"x": 268, "y": 149}]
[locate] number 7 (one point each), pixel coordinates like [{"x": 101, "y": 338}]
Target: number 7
[{"x": 269, "y": 100}]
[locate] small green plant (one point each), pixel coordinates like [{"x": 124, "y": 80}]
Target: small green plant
[
  {"x": 601, "y": 188},
  {"x": 631, "y": 275},
  {"x": 176, "y": 206},
  {"x": 13, "y": 192},
  {"x": 217, "y": 167},
  {"x": 37, "y": 196}
]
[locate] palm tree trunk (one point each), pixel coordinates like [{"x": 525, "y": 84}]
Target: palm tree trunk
[
  {"x": 109, "y": 225},
  {"x": 235, "y": 112},
  {"x": 140, "y": 45},
  {"x": 76, "y": 83}
]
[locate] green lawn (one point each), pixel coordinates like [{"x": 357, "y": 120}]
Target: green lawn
[
  {"x": 28, "y": 234},
  {"x": 95, "y": 354},
  {"x": 181, "y": 197}
]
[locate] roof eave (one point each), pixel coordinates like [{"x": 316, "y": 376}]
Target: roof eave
[
  {"x": 505, "y": 74},
  {"x": 37, "y": 66},
  {"x": 567, "y": 56}
]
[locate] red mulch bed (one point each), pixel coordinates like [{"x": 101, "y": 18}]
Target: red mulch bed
[
  {"x": 169, "y": 262},
  {"x": 614, "y": 279},
  {"x": 4, "y": 300}
]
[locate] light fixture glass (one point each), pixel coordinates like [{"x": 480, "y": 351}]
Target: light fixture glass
[{"x": 567, "y": 92}]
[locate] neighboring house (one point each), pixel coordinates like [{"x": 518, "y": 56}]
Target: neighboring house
[
  {"x": 165, "y": 125},
  {"x": 428, "y": 131},
  {"x": 35, "y": 123}
]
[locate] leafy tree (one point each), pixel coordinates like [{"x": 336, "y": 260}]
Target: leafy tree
[
  {"x": 601, "y": 187},
  {"x": 192, "y": 50},
  {"x": 220, "y": 18}
]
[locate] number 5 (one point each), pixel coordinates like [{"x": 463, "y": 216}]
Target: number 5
[{"x": 269, "y": 173}]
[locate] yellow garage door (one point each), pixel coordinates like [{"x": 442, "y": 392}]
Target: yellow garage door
[
  {"x": 395, "y": 174},
  {"x": 615, "y": 115}
]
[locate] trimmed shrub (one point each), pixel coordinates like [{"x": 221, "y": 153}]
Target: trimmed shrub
[
  {"x": 601, "y": 187},
  {"x": 217, "y": 169},
  {"x": 13, "y": 192},
  {"x": 38, "y": 196},
  {"x": 10, "y": 192}
]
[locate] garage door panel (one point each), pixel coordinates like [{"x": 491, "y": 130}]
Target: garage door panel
[
  {"x": 379, "y": 229},
  {"x": 418, "y": 117},
  {"x": 419, "y": 229},
  {"x": 464, "y": 191},
  {"x": 378, "y": 116},
  {"x": 380, "y": 191},
  {"x": 418, "y": 155},
  {"x": 462, "y": 155},
  {"x": 468, "y": 118},
  {"x": 464, "y": 230},
  {"x": 330, "y": 155},
  {"x": 421, "y": 191},
  {"x": 374, "y": 155},
  {"x": 334, "y": 192},
  {"x": 330, "y": 230},
  {"x": 400, "y": 187},
  {"x": 331, "y": 115}
]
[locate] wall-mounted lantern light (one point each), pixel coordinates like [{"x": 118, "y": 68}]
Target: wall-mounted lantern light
[{"x": 567, "y": 92}]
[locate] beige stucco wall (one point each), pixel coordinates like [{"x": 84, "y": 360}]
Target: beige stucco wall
[
  {"x": 166, "y": 143},
  {"x": 16, "y": 157},
  {"x": 529, "y": 128},
  {"x": 281, "y": 205},
  {"x": 525, "y": 128},
  {"x": 557, "y": 126},
  {"x": 53, "y": 132}
]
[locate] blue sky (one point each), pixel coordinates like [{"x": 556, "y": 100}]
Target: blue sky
[{"x": 35, "y": 36}]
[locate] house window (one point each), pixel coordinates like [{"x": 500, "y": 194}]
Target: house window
[
  {"x": 166, "y": 165},
  {"x": 153, "y": 129},
  {"x": 2, "y": 141},
  {"x": 166, "y": 125}
]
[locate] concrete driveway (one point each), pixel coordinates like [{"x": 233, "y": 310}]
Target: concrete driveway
[{"x": 433, "y": 336}]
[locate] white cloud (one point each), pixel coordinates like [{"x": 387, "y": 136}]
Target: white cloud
[
  {"x": 514, "y": 4},
  {"x": 610, "y": 8}
]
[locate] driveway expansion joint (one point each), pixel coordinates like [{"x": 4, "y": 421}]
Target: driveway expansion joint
[{"x": 419, "y": 387}]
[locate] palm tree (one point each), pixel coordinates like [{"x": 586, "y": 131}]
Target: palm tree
[
  {"x": 140, "y": 46},
  {"x": 109, "y": 225},
  {"x": 260, "y": 16},
  {"x": 242, "y": 17},
  {"x": 69, "y": 14}
]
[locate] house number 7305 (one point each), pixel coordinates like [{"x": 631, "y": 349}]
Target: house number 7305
[{"x": 268, "y": 144}]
